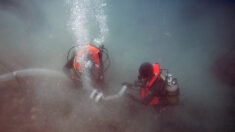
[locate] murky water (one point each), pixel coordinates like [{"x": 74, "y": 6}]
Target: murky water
[{"x": 187, "y": 37}]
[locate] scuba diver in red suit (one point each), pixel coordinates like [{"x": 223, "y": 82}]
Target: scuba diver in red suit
[
  {"x": 152, "y": 90},
  {"x": 87, "y": 59},
  {"x": 152, "y": 87}
]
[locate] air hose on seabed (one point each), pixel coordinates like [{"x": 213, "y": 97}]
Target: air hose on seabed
[
  {"x": 28, "y": 72},
  {"x": 172, "y": 87},
  {"x": 95, "y": 94}
]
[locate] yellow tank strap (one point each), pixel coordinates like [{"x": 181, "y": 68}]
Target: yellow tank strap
[{"x": 162, "y": 77}]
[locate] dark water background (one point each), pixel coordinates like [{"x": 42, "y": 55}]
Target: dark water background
[{"x": 187, "y": 37}]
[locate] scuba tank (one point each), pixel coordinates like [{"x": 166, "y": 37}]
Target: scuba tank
[{"x": 172, "y": 89}]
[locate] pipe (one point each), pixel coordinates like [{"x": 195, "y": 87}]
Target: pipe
[{"x": 28, "y": 72}]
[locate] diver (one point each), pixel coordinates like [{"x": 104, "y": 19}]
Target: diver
[
  {"x": 88, "y": 59},
  {"x": 154, "y": 88}
]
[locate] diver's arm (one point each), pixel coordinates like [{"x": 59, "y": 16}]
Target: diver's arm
[
  {"x": 133, "y": 92},
  {"x": 136, "y": 97}
]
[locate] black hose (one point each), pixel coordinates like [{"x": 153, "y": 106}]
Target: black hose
[
  {"x": 105, "y": 51},
  {"x": 68, "y": 55}
]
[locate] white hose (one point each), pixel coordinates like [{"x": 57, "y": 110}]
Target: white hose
[
  {"x": 28, "y": 72},
  {"x": 97, "y": 96},
  {"x": 116, "y": 96}
]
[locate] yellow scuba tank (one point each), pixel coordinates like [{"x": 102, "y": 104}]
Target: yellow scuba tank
[{"x": 172, "y": 90}]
